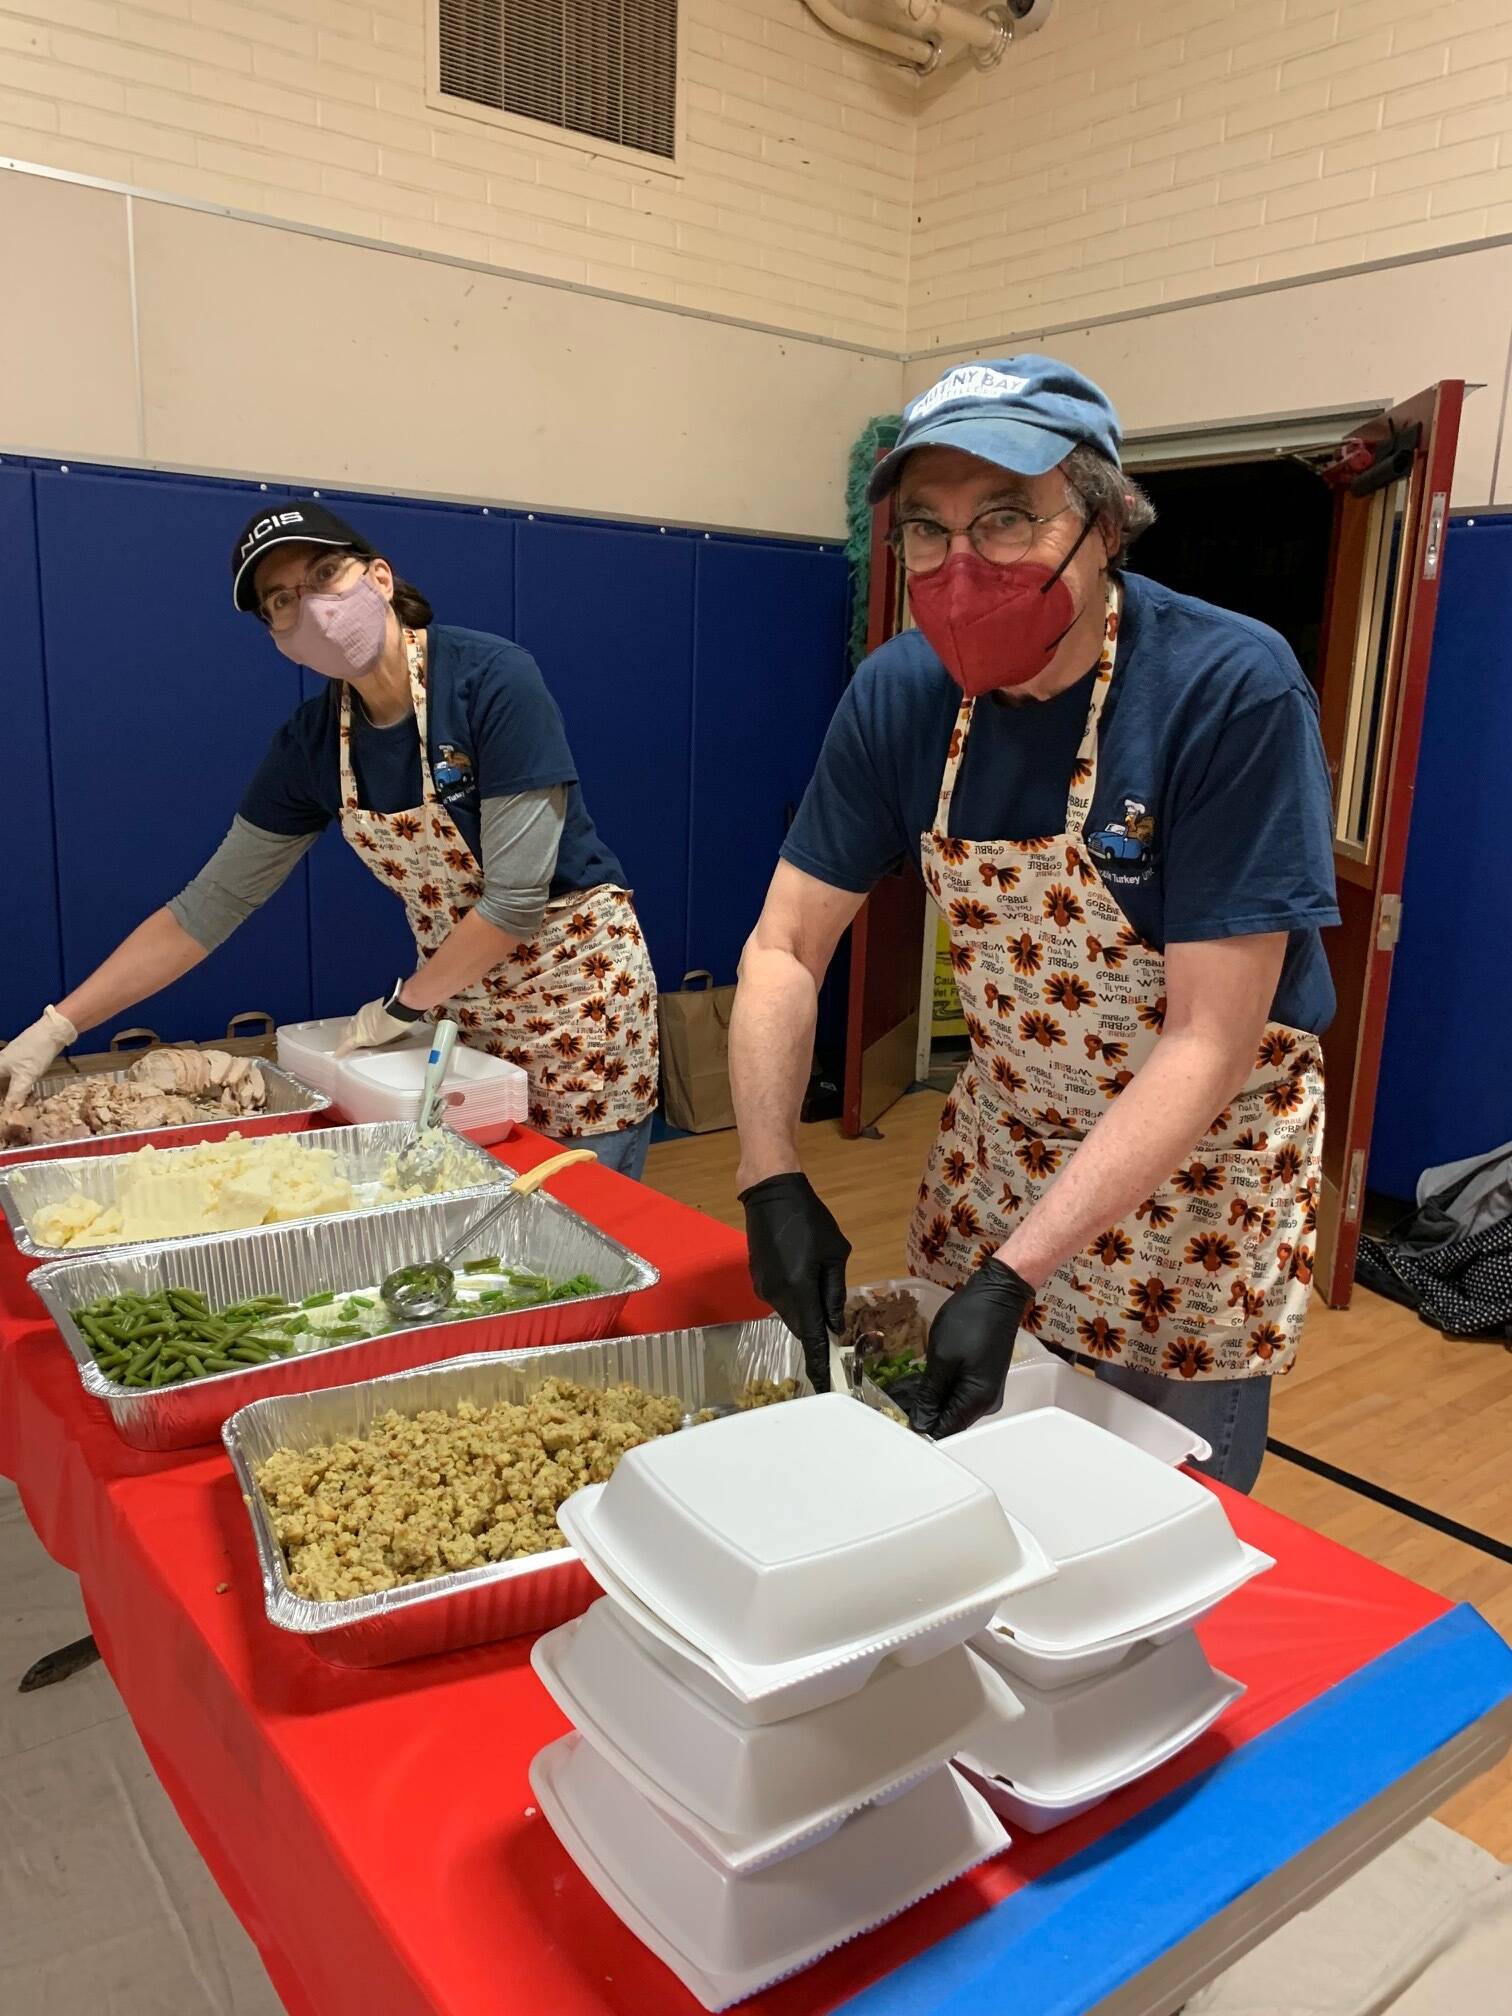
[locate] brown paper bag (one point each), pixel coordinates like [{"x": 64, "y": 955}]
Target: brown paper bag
[{"x": 695, "y": 1055}]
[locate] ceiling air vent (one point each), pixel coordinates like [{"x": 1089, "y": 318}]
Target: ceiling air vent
[{"x": 603, "y": 68}]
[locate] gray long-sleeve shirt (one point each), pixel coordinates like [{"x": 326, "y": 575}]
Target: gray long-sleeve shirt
[{"x": 521, "y": 835}]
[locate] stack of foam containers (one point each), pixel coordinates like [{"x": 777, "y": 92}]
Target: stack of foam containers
[
  {"x": 1097, "y": 1677},
  {"x": 486, "y": 1097},
  {"x": 765, "y": 1702}
]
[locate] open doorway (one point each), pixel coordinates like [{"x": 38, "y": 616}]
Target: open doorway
[{"x": 1251, "y": 536}]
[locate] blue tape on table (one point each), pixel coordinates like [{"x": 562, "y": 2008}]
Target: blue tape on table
[{"x": 1066, "y": 1942}]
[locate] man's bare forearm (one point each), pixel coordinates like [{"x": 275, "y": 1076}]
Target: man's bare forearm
[
  {"x": 1150, "y": 1129},
  {"x": 771, "y": 1050}
]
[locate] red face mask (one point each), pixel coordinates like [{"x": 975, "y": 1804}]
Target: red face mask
[{"x": 993, "y": 626}]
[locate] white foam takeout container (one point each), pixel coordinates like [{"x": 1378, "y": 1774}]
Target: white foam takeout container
[
  {"x": 1139, "y": 1547},
  {"x": 486, "y": 1097},
  {"x": 1048, "y": 1381},
  {"x": 1045, "y": 1756},
  {"x": 750, "y": 1793},
  {"x": 787, "y": 1551},
  {"x": 726, "y": 1936}
]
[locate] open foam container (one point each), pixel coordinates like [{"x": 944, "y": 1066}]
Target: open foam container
[
  {"x": 724, "y": 1935},
  {"x": 486, "y": 1097},
  {"x": 787, "y": 1551},
  {"x": 1139, "y": 1547},
  {"x": 1045, "y": 1756},
  {"x": 752, "y": 1793}
]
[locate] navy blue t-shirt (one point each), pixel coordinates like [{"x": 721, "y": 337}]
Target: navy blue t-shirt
[
  {"x": 493, "y": 730},
  {"x": 1212, "y": 814}
]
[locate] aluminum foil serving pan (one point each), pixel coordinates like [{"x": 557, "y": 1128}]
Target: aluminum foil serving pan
[
  {"x": 362, "y": 1154},
  {"x": 475, "y": 1606},
  {"x": 348, "y": 1254},
  {"x": 289, "y": 1106}
]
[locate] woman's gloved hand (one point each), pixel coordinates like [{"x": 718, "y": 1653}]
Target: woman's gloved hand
[
  {"x": 798, "y": 1256},
  {"x": 32, "y": 1054},
  {"x": 371, "y": 1027},
  {"x": 970, "y": 1350}
]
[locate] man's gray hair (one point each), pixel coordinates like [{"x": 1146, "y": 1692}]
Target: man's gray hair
[{"x": 1108, "y": 497}]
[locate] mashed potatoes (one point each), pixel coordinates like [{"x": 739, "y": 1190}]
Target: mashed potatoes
[{"x": 221, "y": 1186}]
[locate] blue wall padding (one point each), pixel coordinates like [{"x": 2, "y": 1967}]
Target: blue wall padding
[
  {"x": 696, "y": 674},
  {"x": 31, "y": 971},
  {"x": 1446, "y": 1072},
  {"x": 768, "y": 668},
  {"x": 161, "y": 701},
  {"x": 610, "y": 611}
]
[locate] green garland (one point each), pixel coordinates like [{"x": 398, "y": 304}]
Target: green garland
[{"x": 878, "y": 434}]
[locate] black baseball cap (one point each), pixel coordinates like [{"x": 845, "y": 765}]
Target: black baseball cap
[{"x": 298, "y": 521}]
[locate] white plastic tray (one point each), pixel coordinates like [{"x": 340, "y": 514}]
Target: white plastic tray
[
  {"x": 1049, "y": 1382},
  {"x": 1063, "y": 1750},
  {"x": 1139, "y": 1547},
  {"x": 727, "y": 1936},
  {"x": 751, "y": 1794},
  {"x": 800, "y": 1545}
]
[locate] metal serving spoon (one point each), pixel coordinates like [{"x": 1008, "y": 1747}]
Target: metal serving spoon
[
  {"x": 419, "y": 1162},
  {"x": 415, "y": 1294}
]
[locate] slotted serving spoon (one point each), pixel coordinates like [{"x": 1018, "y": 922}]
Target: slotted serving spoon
[
  {"x": 419, "y": 1163},
  {"x": 415, "y": 1294}
]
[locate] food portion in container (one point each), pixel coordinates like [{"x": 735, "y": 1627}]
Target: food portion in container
[
  {"x": 172, "y": 1335},
  {"x": 166, "y": 1088},
  {"x": 425, "y": 1495},
  {"x": 229, "y": 1186},
  {"x": 887, "y": 1328}
]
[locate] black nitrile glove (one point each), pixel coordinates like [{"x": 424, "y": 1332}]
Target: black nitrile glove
[
  {"x": 798, "y": 1256},
  {"x": 970, "y": 1350}
]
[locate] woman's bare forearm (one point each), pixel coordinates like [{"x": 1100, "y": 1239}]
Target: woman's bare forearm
[{"x": 157, "y": 953}]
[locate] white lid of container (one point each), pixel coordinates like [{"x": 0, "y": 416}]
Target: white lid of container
[
  {"x": 752, "y": 1793},
  {"x": 1082, "y": 1742},
  {"x": 800, "y": 1536},
  {"x": 1049, "y": 1382},
  {"x": 724, "y": 1935},
  {"x": 1138, "y": 1546},
  {"x": 477, "y": 1087}
]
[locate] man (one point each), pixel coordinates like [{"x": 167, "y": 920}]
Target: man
[{"x": 1119, "y": 800}]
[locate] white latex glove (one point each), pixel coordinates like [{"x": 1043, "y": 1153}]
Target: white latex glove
[
  {"x": 32, "y": 1054},
  {"x": 371, "y": 1027}
]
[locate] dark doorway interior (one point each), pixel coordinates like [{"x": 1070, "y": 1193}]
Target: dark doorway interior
[{"x": 1251, "y": 536}]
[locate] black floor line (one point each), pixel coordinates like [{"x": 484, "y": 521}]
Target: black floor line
[{"x": 1499, "y": 1550}]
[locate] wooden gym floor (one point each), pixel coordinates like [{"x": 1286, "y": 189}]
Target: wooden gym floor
[{"x": 1375, "y": 1392}]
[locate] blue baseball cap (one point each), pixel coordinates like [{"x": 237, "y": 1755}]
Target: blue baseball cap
[{"x": 1024, "y": 413}]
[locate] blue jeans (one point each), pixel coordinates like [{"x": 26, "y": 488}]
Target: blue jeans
[
  {"x": 624, "y": 1150},
  {"x": 1231, "y": 1414}
]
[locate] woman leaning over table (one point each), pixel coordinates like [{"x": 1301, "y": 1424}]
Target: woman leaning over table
[{"x": 444, "y": 760}]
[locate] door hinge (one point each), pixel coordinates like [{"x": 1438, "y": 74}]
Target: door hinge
[
  {"x": 1356, "y": 1185},
  {"x": 1436, "y": 512},
  {"x": 1388, "y": 923}
]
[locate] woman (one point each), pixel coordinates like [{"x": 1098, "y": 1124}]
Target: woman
[{"x": 445, "y": 760}]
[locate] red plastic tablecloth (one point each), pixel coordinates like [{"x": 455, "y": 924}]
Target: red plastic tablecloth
[{"x": 374, "y": 1830}]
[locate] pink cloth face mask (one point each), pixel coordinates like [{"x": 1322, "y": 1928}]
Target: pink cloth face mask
[{"x": 339, "y": 636}]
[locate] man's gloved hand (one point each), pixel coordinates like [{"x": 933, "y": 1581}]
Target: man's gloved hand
[
  {"x": 371, "y": 1027},
  {"x": 798, "y": 1256},
  {"x": 32, "y": 1054},
  {"x": 970, "y": 1350}
]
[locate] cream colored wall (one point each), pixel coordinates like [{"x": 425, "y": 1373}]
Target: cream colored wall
[
  {"x": 1324, "y": 344},
  {"x": 146, "y": 331},
  {"x": 791, "y": 206},
  {"x": 1145, "y": 151}
]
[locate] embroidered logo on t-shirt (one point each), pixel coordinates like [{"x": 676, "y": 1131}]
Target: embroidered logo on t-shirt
[
  {"x": 453, "y": 774},
  {"x": 1125, "y": 852}
]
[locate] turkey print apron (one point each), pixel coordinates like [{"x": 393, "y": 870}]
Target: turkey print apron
[
  {"x": 1064, "y": 1001},
  {"x": 575, "y": 1007}
]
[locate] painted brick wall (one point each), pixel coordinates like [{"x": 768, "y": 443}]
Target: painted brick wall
[
  {"x": 793, "y": 208},
  {"x": 1141, "y": 151}
]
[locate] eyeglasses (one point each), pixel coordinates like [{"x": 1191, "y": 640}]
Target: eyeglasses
[
  {"x": 279, "y": 608},
  {"x": 1000, "y": 536}
]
